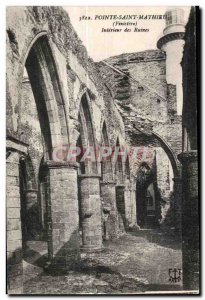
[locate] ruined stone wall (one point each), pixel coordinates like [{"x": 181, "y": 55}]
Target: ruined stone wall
[
  {"x": 189, "y": 157},
  {"x": 144, "y": 99},
  {"x": 77, "y": 72},
  {"x": 140, "y": 98},
  {"x": 141, "y": 70},
  {"x": 147, "y": 104},
  {"x": 14, "y": 235}
]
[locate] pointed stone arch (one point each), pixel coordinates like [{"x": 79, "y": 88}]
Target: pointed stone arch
[
  {"x": 87, "y": 134},
  {"x": 44, "y": 79},
  {"x": 154, "y": 137},
  {"x": 170, "y": 153}
]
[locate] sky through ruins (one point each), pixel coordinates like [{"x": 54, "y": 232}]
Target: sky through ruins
[{"x": 101, "y": 45}]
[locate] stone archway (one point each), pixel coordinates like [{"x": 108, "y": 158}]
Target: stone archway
[
  {"x": 170, "y": 153},
  {"x": 174, "y": 216},
  {"x": 87, "y": 136},
  {"x": 147, "y": 197},
  {"x": 61, "y": 198},
  {"x": 150, "y": 139},
  {"x": 45, "y": 83},
  {"x": 44, "y": 80}
]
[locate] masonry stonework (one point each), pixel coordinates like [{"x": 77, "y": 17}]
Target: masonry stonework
[{"x": 59, "y": 98}]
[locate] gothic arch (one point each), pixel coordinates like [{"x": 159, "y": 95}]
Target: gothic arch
[
  {"x": 166, "y": 147},
  {"x": 106, "y": 164},
  {"x": 45, "y": 83},
  {"x": 87, "y": 135},
  {"x": 170, "y": 153},
  {"x": 28, "y": 48}
]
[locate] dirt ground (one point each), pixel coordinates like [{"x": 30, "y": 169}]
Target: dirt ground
[{"x": 137, "y": 262}]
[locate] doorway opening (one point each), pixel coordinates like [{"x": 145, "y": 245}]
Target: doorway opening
[{"x": 147, "y": 198}]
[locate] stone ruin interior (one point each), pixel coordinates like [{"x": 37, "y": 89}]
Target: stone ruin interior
[{"x": 74, "y": 217}]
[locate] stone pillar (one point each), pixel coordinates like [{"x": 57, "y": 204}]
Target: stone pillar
[
  {"x": 190, "y": 220},
  {"x": 63, "y": 215},
  {"x": 130, "y": 205},
  {"x": 177, "y": 204},
  {"x": 91, "y": 212},
  {"x": 108, "y": 194},
  {"x": 14, "y": 234}
]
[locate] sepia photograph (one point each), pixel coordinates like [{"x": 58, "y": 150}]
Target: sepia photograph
[{"x": 102, "y": 150}]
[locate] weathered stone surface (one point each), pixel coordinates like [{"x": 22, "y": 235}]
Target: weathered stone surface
[
  {"x": 190, "y": 218},
  {"x": 90, "y": 203},
  {"x": 48, "y": 74},
  {"x": 64, "y": 216},
  {"x": 109, "y": 211}
]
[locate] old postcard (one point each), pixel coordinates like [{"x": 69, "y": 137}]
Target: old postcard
[{"x": 101, "y": 150}]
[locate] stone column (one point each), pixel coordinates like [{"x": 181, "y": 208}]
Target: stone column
[
  {"x": 63, "y": 215},
  {"x": 91, "y": 212},
  {"x": 130, "y": 207},
  {"x": 130, "y": 204},
  {"x": 177, "y": 205},
  {"x": 190, "y": 220},
  {"x": 14, "y": 234},
  {"x": 108, "y": 194}
]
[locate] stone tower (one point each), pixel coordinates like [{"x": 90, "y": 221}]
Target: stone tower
[{"x": 172, "y": 43}]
